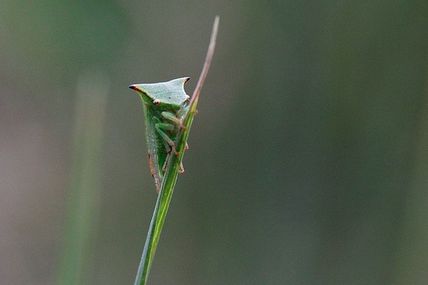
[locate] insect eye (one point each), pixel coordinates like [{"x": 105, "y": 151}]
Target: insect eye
[{"x": 156, "y": 101}]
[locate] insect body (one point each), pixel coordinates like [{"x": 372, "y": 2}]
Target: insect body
[{"x": 165, "y": 105}]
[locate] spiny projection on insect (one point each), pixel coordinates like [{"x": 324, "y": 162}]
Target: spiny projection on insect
[{"x": 165, "y": 106}]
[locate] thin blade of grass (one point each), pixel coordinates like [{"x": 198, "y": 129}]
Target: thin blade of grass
[
  {"x": 84, "y": 190},
  {"x": 168, "y": 183}
]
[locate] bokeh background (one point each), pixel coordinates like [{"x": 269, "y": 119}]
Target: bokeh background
[{"x": 308, "y": 160}]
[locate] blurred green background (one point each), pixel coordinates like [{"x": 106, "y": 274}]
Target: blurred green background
[{"x": 308, "y": 161}]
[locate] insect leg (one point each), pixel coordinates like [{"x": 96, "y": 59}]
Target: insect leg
[
  {"x": 181, "y": 169},
  {"x": 165, "y": 126},
  {"x": 165, "y": 163},
  {"x": 155, "y": 176},
  {"x": 173, "y": 118}
]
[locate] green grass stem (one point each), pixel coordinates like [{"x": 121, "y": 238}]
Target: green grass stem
[
  {"x": 83, "y": 193},
  {"x": 168, "y": 183}
]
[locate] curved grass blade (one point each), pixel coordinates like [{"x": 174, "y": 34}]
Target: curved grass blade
[{"x": 169, "y": 180}]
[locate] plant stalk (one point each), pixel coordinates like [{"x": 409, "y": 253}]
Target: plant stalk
[{"x": 170, "y": 178}]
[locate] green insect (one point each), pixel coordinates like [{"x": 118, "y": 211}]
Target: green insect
[{"x": 165, "y": 106}]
